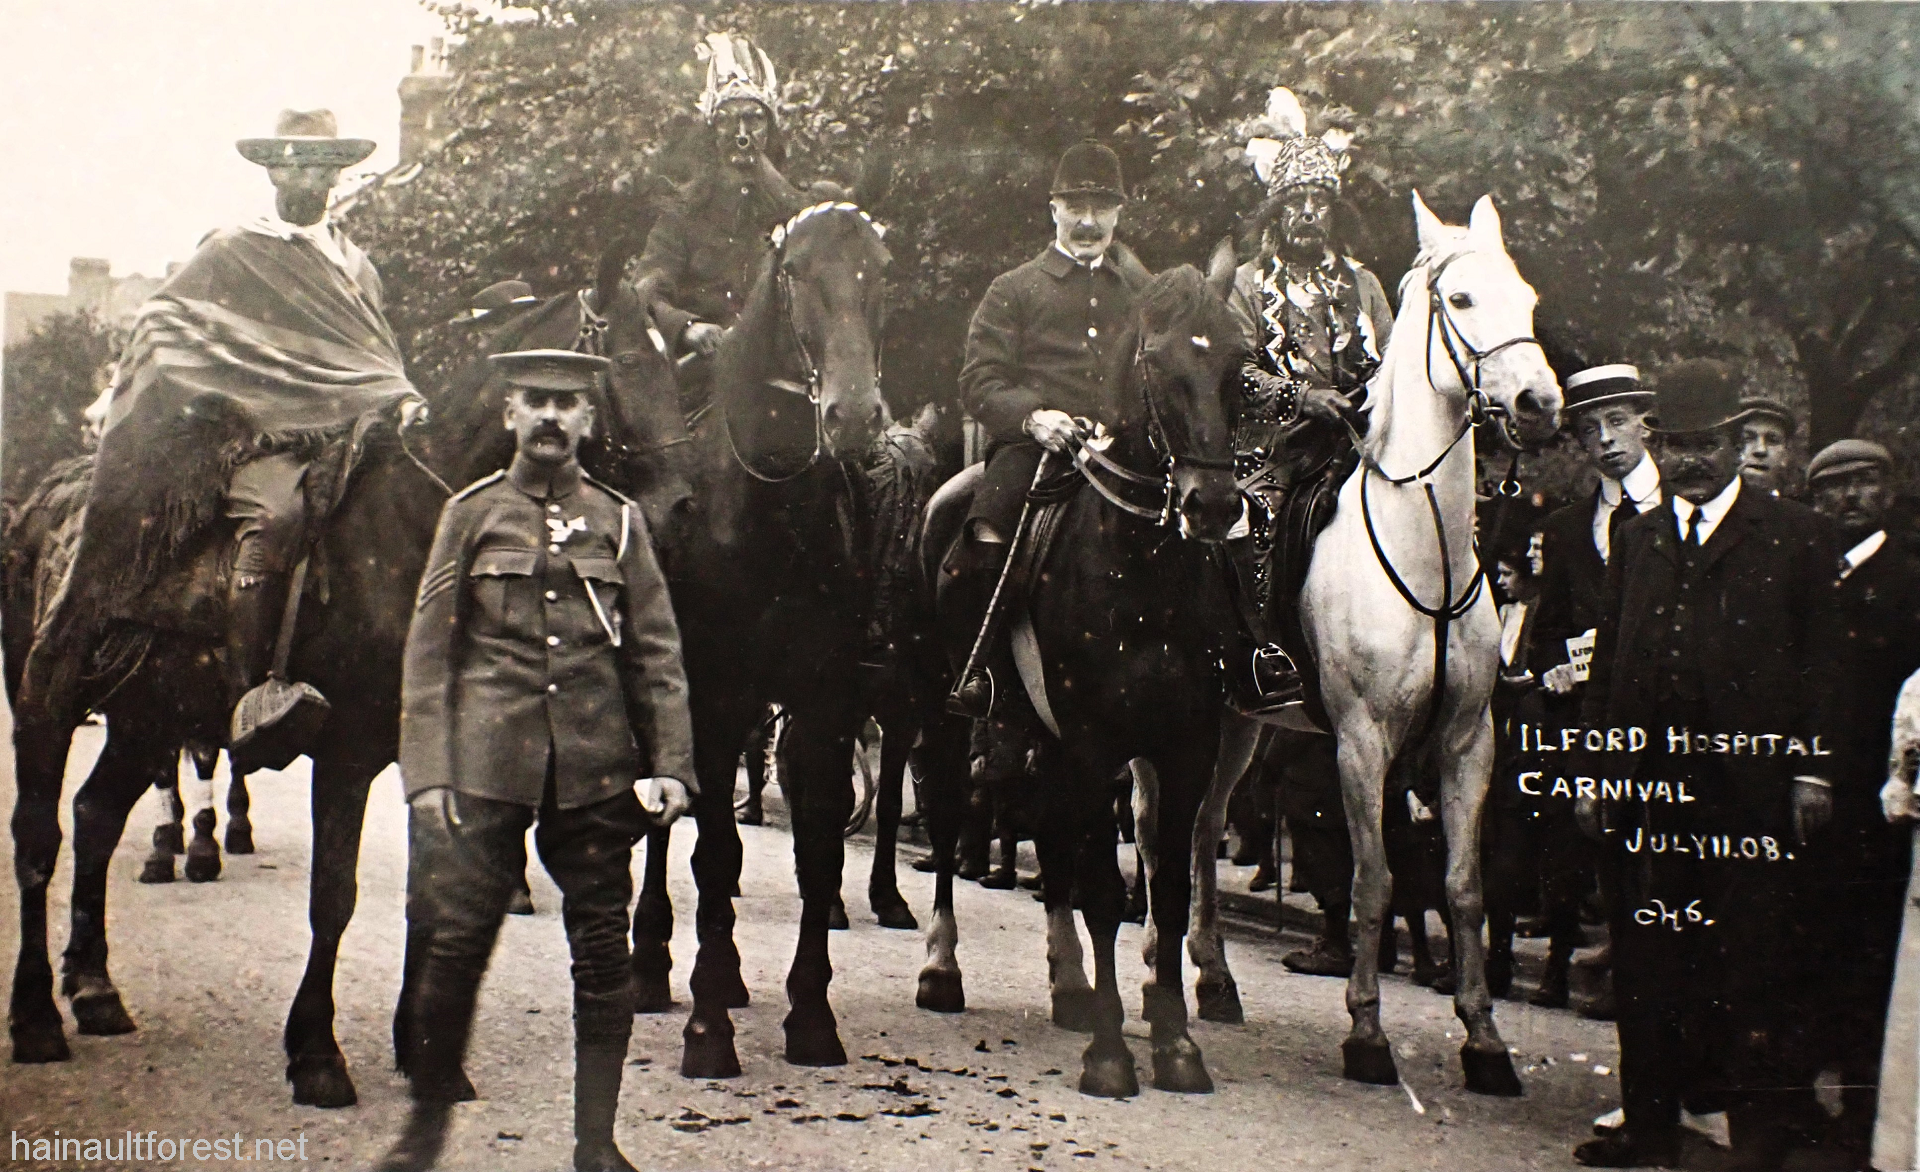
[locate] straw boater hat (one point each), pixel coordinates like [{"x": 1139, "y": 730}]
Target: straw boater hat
[
  {"x": 305, "y": 138},
  {"x": 1284, "y": 156},
  {"x": 550, "y": 370},
  {"x": 737, "y": 68},
  {"x": 1846, "y": 456},
  {"x": 1598, "y": 386}
]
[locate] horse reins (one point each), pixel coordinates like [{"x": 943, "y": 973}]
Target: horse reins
[{"x": 1479, "y": 410}]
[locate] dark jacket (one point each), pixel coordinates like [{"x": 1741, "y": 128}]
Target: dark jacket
[
  {"x": 507, "y": 655},
  {"x": 704, "y": 252},
  {"x": 1573, "y": 582},
  {"x": 1043, "y": 337},
  {"x": 1880, "y": 608},
  {"x": 1768, "y": 634}
]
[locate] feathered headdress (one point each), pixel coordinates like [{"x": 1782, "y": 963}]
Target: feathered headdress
[
  {"x": 737, "y": 68},
  {"x": 1285, "y": 156}
]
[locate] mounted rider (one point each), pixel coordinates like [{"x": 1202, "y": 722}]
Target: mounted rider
[
  {"x": 1317, "y": 322},
  {"x": 1038, "y": 358},
  {"x": 704, "y": 252},
  {"x": 268, "y": 343}
]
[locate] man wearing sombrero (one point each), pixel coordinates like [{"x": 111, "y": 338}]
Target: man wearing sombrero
[{"x": 265, "y": 344}]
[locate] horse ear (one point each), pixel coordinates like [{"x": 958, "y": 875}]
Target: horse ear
[
  {"x": 1483, "y": 226},
  {"x": 1427, "y": 226},
  {"x": 876, "y": 178},
  {"x": 609, "y": 273},
  {"x": 1220, "y": 268}
]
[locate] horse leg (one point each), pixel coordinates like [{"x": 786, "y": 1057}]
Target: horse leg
[
  {"x": 883, "y": 889},
  {"x": 1216, "y": 991},
  {"x": 40, "y": 756},
  {"x": 169, "y": 837},
  {"x": 1106, "y": 1066},
  {"x": 819, "y": 755},
  {"x": 315, "y": 1066},
  {"x": 942, "y": 770},
  {"x": 131, "y": 760},
  {"x": 1463, "y": 793},
  {"x": 1366, "y": 1055},
  {"x": 196, "y": 795},
  {"x": 1057, "y": 843},
  {"x": 1145, "y": 788},
  {"x": 653, "y": 931},
  {"x": 707, "y": 1041},
  {"x": 239, "y": 825},
  {"x": 1177, "y": 1063}
]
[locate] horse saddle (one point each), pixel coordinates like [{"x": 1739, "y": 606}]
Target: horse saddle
[{"x": 189, "y": 595}]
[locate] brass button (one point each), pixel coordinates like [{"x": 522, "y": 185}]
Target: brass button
[
  {"x": 553, "y": 549},
  {"x": 1093, "y": 332},
  {"x": 553, "y": 596},
  {"x": 1093, "y": 301},
  {"x": 553, "y": 508},
  {"x": 553, "y": 689},
  {"x": 554, "y": 641}
]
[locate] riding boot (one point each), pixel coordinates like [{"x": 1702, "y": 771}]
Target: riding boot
[
  {"x": 254, "y": 608},
  {"x": 603, "y": 1024},
  {"x": 273, "y": 721},
  {"x": 977, "y": 569}
]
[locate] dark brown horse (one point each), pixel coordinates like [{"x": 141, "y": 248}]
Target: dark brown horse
[
  {"x": 161, "y": 688},
  {"x": 771, "y": 583},
  {"x": 1128, "y": 648}
]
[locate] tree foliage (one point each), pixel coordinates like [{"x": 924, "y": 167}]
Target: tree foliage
[
  {"x": 1675, "y": 180},
  {"x": 52, "y": 377}
]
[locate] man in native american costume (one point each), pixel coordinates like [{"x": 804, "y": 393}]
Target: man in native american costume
[
  {"x": 704, "y": 252},
  {"x": 267, "y": 344},
  {"x": 1317, "y": 322}
]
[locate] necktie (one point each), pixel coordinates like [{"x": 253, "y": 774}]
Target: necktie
[{"x": 1622, "y": 513}]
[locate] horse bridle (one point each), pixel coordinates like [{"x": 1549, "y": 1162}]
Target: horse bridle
[
  {"x": 809, "y": 384},
  {"x": 1091, "y": 461}
]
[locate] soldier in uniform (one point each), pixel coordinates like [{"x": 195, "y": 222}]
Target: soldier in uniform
[
  {"x": 703, "y": 253},
  {"x": 542, "y": 685},
  {"x": 1037, "y": 357}
]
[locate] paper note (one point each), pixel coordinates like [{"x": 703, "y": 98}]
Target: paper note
[{"x": 1580, "y": 654}]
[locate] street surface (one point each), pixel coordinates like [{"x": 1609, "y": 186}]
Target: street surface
[{"x": 208, "y": 970}]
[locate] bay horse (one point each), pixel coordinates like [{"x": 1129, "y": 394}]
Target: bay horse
[
  {"x": 1394, "y": 597},
  {"x": 163, "y": 689},
  {"x": 1129, "y": 655},
  {"x": 771, "y": 581}
]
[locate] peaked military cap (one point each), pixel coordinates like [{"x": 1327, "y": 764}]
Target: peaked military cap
[
  {"x": 1089, "y": 168},
  {"x": 550, "y": 370}
]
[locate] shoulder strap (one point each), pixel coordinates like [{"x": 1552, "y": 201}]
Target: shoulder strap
[
  {"x": 611, "y": 491},
  {"x": 479, "y": 484}
]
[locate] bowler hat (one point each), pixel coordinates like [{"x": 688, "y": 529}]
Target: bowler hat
[
  {"x": 1598, "y": 386},
  {"x": 305, "y": 138},
  {"x": 550, "y": 370},
  {"x": 1088, "y": 168},
  {"x": 1697, "y": 395},
  {"x": 1848, "y": 455},
  {"x": 496, "y": 299}
]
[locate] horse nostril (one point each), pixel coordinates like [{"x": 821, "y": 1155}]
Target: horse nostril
[
  {"x": 834, "y": 414},
  {"x": 1532, "y": 402},
  {"x": 876, "y": 416}
]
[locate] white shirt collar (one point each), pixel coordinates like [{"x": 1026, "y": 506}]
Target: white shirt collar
[
  {"x": 320, "y": 233},
  {"x": 1642, "y": 486},
  {"x": 1860, "y": 553},
  {"x": 1711, "y": 513},
  {"x": 1091, "y": 264}
]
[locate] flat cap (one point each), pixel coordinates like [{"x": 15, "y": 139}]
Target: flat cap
[
  {"x": 1848, "y": 455},
  {"x": 550, "y": 370}
]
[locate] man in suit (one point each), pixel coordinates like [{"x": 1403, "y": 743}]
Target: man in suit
[
  {"x": 1862, "y": 868},
  {"x": 1715, "y": 689},
  {"x": 1607, "y": 412}
]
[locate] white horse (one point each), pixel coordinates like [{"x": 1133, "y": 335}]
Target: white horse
[{"x": 1399, "y": 549}]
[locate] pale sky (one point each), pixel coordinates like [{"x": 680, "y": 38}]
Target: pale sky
[{"x": 118, "y": 117}]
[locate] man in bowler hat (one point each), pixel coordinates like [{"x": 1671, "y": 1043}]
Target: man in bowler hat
[
  {"x": 1717, "y": 640},
  {"x": 542, "y": 686}
]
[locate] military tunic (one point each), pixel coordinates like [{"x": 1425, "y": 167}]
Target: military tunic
[{"x": 543, "y": 631}]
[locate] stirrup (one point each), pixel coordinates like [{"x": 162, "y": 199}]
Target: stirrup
[{"x": 1267, "y": 683}]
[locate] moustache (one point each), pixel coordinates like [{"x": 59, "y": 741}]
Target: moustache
[{"x": 548, "y": 431}]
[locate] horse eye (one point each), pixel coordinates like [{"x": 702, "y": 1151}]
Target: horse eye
[{"x": 1461, "y": 301}]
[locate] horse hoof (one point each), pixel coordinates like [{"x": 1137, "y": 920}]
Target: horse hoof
[
  {"x": 1490, "y": 1072},
  {"x": 1074, "y": 1010},
  {"x": 892, "y": 911},
  {"x": 321, "y": 1080},
  {"x": 171, "y": 839},
  {"x": 35, "y": 1042},
  {"x": 203, "y": 861},
  {"x": 811, "y": 1044},
  {"x": 751, "y": 816},
  {"x": 1368, "y": 1062},
  {"x": 1220, "y": 1003},
  {"x": 926, "y": 865},
  {"x": 652, "y": 993},
  {"x": 837, "y": 917},
  {"x": 101, "y": 1014},
  {"x": 158, "y": 868},
  {"x": 239, "y": 838},
  {"x": 1108, "y": 1075},
  {"x": 941, "y": 991},
  {"x": 1178, "y": 1067},
  {"x": 708, "y": 1050}
]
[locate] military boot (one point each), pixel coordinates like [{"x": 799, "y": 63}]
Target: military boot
[{"x": 602, "y": 1027}]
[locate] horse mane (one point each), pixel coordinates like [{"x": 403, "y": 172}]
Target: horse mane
[{"x": 1181, "y": 295}]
